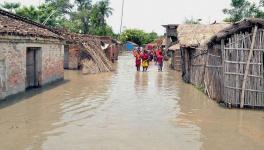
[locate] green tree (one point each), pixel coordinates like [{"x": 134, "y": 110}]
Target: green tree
[
  {"x": 61, "y": 6},
  {"x": 59, "y": 9},
  {"x": 30, "y": 12},
  {"x": 192, "y": 21},
  {"x": 261, "y": 3},
  {"x": 10, "y": 6},
  {"x": 104, "y": 10},
  {"x": 138, "y": 36},
  {"x": 84, "y": 8},
  {"x": 241, "y": 9},
  {"x": 40, "y": 14},
  {"x": 82, "y": 17},
  {"x": 100, "y": 11},
  {"x": 150, "y": 37}
]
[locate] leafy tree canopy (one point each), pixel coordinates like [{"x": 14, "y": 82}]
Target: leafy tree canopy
[
  {"x": 192, "y": 21},
  {"x": 241, "y": 9},
  {"x": 82, "y": 16},
  {"x": 138, "y": 36}
]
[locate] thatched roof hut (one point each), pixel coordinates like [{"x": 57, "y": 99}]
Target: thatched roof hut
[{"x": 191, "y": 49}]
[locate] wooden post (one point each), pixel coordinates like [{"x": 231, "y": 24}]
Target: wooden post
[
  {"x": 223, "y": 69},
  {"x": 247, "y": 67}
]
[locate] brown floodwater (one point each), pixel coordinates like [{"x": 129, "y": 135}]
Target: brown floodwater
[{"x": 125, "y": 110}]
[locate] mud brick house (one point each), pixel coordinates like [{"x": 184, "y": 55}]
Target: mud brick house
[{"x": 30, "y": 55}]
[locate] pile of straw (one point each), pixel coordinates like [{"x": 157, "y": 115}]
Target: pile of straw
[
  {"x": 92, "y": 57},
  {"x": 97, "y": 56}
]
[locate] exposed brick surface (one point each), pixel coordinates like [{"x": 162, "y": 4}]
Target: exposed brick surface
[
  {"x": 74, "y": 57},
  {"x": 14, "y": 56}
]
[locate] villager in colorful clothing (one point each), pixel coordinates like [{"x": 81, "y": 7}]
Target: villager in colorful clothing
[
  {"x": 137, "y": 55},
  {"x": 160, "y": 61},
  {"x": 145, "y": 61},
  {"x": 157, "y": 53},
  {"x": 155, "y": 57},
  {"x": 151, "y": 56}
]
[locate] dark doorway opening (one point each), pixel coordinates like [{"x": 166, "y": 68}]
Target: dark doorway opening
[
  {"x": 66, "y": 57},
  {"x": 33, "y": 67},
  {"x": 2, "y": 78}
]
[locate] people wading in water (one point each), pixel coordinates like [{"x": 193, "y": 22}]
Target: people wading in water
[
  {"x": 137, "y": 55},
  {"x": 160, "y": 61},
  {"x": 145, "y": 61}
]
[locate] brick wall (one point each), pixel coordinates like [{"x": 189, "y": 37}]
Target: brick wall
[
  {"x": 13, "y": 52},
  {"x": 112, "y": 52},
  {"x": 74, "y": 58}
]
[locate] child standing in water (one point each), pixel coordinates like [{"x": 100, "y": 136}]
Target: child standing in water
[
  {"x": 160, "y": 61},
  {"x": 138, "y": 59}
]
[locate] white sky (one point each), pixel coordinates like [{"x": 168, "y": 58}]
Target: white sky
[{"x": 149, "y": 15}]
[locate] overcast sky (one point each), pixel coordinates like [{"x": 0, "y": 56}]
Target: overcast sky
[{"x": 149, "y": 15}]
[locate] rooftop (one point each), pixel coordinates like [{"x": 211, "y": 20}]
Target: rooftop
[
  {"x": 194, "y": 35},
  {"x": 11, "y": 24}
]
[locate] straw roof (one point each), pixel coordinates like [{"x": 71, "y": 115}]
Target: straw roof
[
  {"x": 174, "y": 47},
  {"x": 244, "y": 25},
  {"x": 194, "y": 35},
  {"x": 11, "y": 24}
]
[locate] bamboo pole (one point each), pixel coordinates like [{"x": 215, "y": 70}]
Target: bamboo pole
[
  {"x": 247, "y": 67},
  {"x": 223, "y": 69}
]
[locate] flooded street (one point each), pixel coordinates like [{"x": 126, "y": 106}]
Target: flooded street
[{"x": 125, "y": 110}]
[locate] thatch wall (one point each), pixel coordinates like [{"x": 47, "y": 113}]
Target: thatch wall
[
  {"x": 236, "y": 54},
  {"x": 198, "y": 62},
  {"x": 186, "y": 63},
  {"x": 213, "y": 79},
  {"x": 236, "y": 57}
]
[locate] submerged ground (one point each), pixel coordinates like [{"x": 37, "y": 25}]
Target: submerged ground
[{"x": 125, "y": 110}]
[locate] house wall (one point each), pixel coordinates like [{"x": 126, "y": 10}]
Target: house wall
[
  {"x": 112, "y": 52},
  {"x": 186, "y": 64},
  {"x": 236, "y": 52},
  {"x": 177, "y": 60},
  {"x": 13, "y": 52},
  {"x": 198, "y": 60},
  {"x": 173, "y": 60},
  {"x": 2, "y": 77},
  {"x": 74, "y": 56},
  {"x": 213, "y": 73}
]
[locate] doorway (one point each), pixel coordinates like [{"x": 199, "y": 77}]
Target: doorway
[
  {"x": 33, "y": 67},
  {"x": 66, "y": 57},
  {"x": 2, "y": 78}
]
